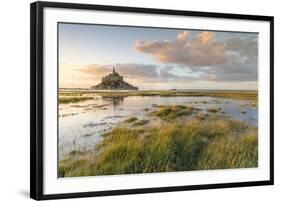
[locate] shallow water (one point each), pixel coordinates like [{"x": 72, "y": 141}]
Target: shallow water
[{"x": 81, "y": 124}]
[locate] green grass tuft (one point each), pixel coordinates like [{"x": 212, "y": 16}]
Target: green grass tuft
[
  {"x": 68, "y": 99},
  {"x": 169, "y": 113},
  {"x": 141, "y": 122},
  {"x": 131, "y": 120},
  {"x": 213, "y": 110}
]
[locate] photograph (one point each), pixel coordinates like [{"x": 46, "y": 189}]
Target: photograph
[{"x": 140, "y": 99}]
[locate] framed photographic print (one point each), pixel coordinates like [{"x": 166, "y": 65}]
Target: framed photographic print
[{"x": 136, "y": 100}]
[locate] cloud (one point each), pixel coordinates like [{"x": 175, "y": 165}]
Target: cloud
[
  {"x": 128, "y": 70},
  {"x": 232, "y": 59},
  {"x": 94, "y": 69},
  {"x": 137, "y": 70},
  {"x": 244, "y": 46},
  {"x": 202, "y": 50},
  {"x": 241, "y": 60},
  {"x": 189, "y": 58},
  {"x": 140, "y": 72}
]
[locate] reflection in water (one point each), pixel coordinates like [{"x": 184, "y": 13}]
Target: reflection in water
[
  {"x": 81, "y": 124},
  {"x": 116, "y": 100}
]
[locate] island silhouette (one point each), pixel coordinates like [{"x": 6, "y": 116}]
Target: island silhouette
[{"x": 113, "y": 81}]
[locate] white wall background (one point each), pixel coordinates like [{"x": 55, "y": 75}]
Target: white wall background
[{"x": 14, "y": 100}]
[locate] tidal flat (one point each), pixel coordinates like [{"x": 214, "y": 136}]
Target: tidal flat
[{"x": 107, "y": 133}]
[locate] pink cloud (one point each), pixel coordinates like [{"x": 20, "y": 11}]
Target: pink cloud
[{"x": 201, "y": 50}]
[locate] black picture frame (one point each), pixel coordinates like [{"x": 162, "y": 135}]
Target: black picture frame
[{"x": 36, "y": 98}]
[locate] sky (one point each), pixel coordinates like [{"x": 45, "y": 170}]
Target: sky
[{"x": 157, "y": 58}]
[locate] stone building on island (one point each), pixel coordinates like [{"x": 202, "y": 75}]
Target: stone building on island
[{"x": 113, "y": 81}]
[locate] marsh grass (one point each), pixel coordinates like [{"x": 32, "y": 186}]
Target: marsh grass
[
  {"x": 135, "y": 122},
  {"x": 213, "y": 110},
  {"x": 131, "y": 119},
  {"x": 140, "y": 122},
  {"x": 69, "y": 99},
  {"x": 235, "y": 152},
  {"x": 202, "y": 116},
  {"x": 195, "y": 144},
  {"x": 169, "y": 113}
]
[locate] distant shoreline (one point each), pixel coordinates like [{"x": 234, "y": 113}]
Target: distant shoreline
[
  {"x": 152, "y": 90},
  {"x": 78, "y": 95}
]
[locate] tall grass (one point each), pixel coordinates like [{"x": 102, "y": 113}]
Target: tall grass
[{"x": 172, "y": 146}]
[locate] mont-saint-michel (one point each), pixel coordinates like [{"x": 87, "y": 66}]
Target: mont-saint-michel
[
  {"x": 114, "y": 81},
  {"x": 149, "y": 100}
]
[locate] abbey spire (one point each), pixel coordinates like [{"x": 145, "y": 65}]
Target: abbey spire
[{"x": 113, "y": 69}]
